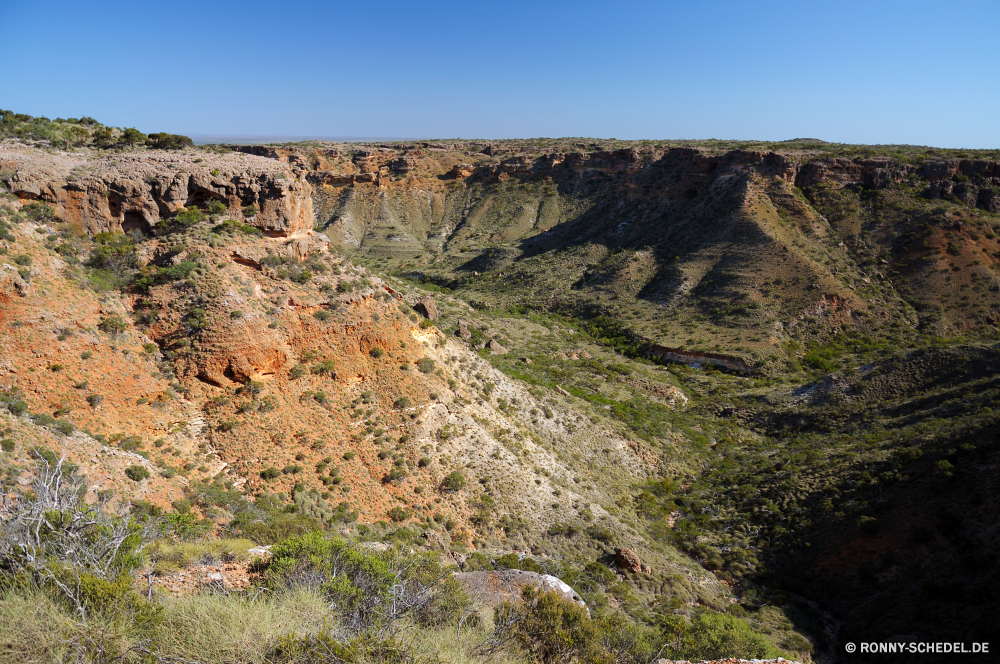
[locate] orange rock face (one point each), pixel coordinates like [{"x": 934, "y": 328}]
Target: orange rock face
[{"x": 135, "y": 191}]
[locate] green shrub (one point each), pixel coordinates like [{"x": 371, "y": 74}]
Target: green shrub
[
  {"x": 401, "y": 403},
  {"x": 398, "y": 514},
  {"x": 944, "y": 468},
  {"x": 22, "y": 259},
  {"x": 7, "y": 445},
  {"x": 326, "y": 367},
  {"x": 395, "y": 474},
  {"x": 112, "y": 261},
  {"x": 718, "y": 635},
  {"x": 454, "y": 481},
  {"x": 189, "y": 216},
  {"x": 43, "y": 420},
  {"x": 446, "y": 606},
  {"x": 95, "y": 400},
  {"x": 113, "y": 324},
  {"x": 601, "y": 534},
  {"x": 322, "y": 315},
  {"x": 819, "y": 361},
  {"x": 369, "y": 589},
  {"x": 250, "y": 211},
  {"x": 551, "y": 628},
  {"x": 136, "y": 473},
  {"x": 165, "y": 141},
  {"x": 132, "y": 136},
  {"x": 324, "y": 646},
  {"x": 425, "y": 364},
  {"x": 348, "y": 456},
  {"x": 38, "y": 212},
  {"x": 376, "y": 352},
  {"x": 17, "y": 407}
]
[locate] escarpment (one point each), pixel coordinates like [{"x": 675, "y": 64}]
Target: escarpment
[{"x": 136, "y": 191}]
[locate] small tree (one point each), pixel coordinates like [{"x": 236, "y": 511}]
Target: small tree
[
  {"x": 113, "y": 324},
  {"x": 54, "y": 535},
  {"x": 132, "y": 136}
]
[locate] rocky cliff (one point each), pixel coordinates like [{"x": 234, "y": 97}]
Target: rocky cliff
[
  {"x": 757, "y": 240},
  {"x": 128, "y": 191}
]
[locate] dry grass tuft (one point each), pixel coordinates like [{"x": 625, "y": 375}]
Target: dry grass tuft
[
  {"x": 172, "y": 556},
  {"x": 236, "y": 630},
  {"x": 32, "y": 629}
]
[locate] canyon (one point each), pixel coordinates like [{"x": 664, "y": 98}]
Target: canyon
[{"x": 755, "y": 368}]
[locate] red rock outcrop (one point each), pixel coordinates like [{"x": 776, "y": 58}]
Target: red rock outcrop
[
  {"x": 691, "y": 356},
  {"x": 427, "y": 309},
  {"x": 627, "y": 559},
  {"x": 119, "y": 193}
]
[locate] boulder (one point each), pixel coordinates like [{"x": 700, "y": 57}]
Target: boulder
[
  {"x": 427, "y": 309},
  {"x": 627, "y": 559},
  {"x": 463, "y": 329},
  {"x": 495, "y": 587},
  {"x": 11, "y": 282},
  {"x": 496, "y": 348}
]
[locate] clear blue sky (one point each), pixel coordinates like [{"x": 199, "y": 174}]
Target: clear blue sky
[{"x": 860, "y": 72}]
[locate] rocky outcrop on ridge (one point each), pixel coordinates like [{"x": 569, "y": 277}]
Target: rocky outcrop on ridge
[{"x": 135, "y": 191}]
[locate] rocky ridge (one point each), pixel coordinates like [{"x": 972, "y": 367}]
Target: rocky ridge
[{"x": 135, "y": 191}]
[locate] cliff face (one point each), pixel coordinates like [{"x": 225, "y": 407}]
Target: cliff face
[
  {"x": 122, "y": 192},
  {"x": 429, "y": 170}
]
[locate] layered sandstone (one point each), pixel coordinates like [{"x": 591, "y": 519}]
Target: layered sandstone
[{"x": 135, "y": 191}]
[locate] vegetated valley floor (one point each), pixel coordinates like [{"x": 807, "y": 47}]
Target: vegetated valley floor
[{"x": 841, "y": 488}]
